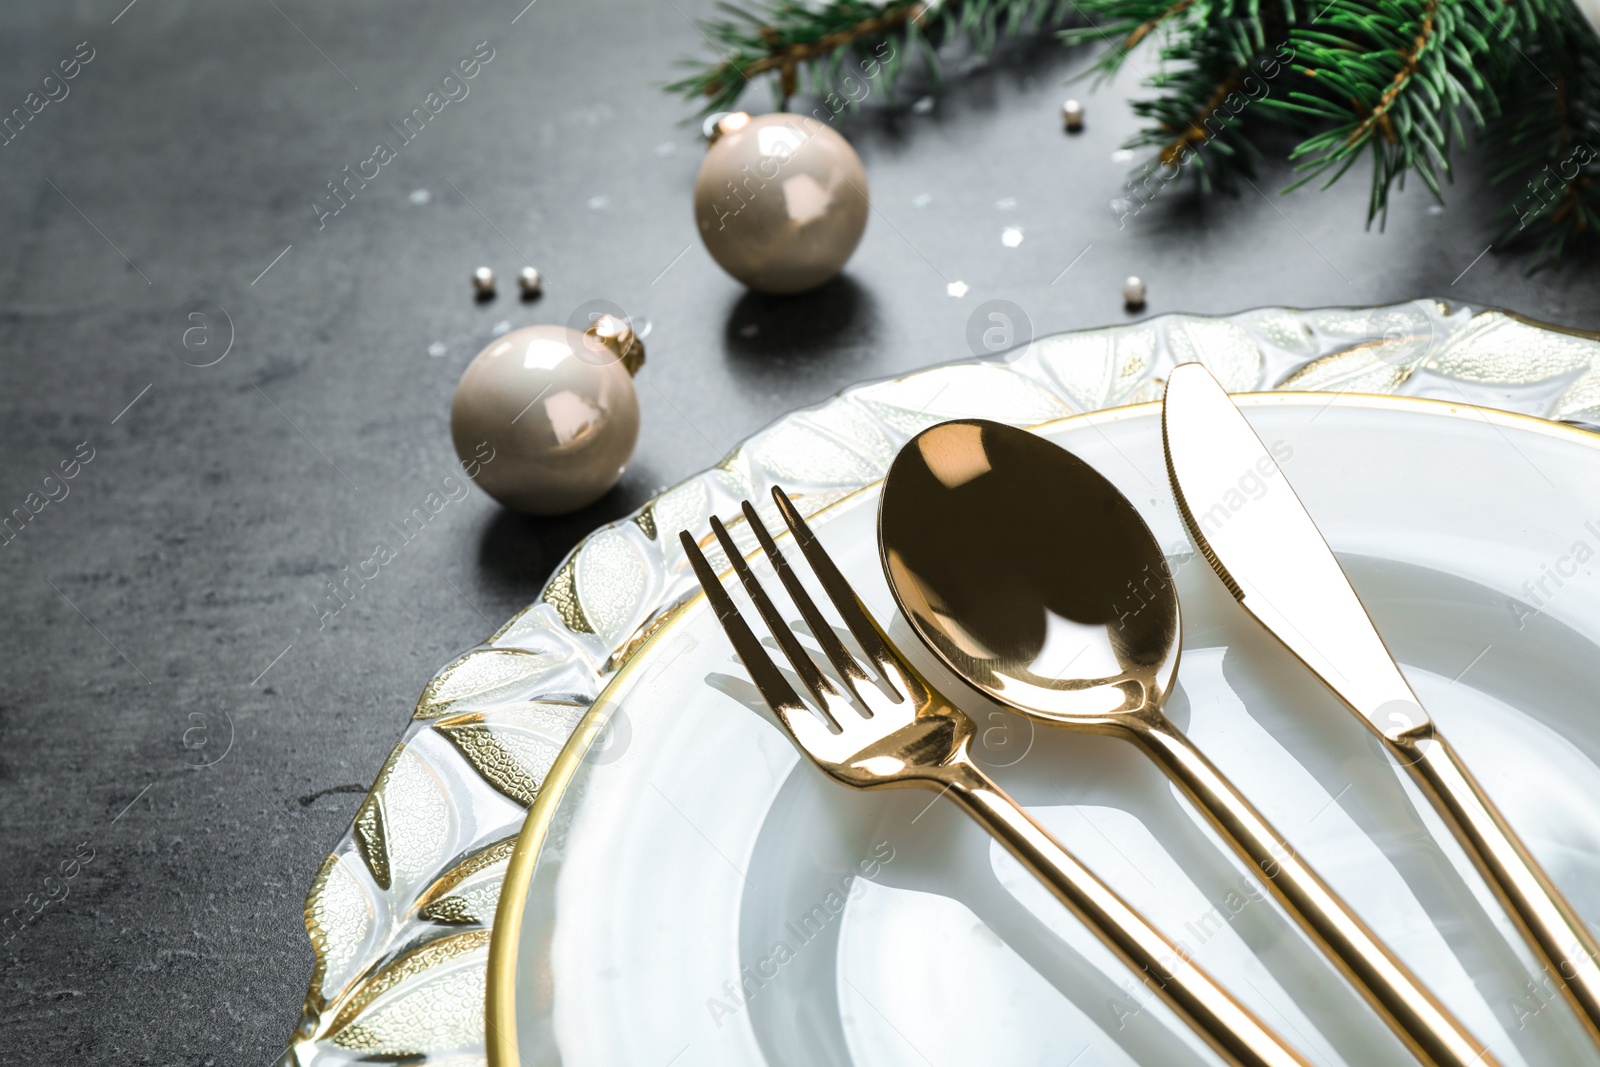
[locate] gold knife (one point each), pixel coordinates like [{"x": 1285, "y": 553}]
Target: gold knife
[{"x": 1274, "y": 560}]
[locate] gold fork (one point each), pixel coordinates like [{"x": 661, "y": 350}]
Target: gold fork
[{"x": 918, "y": 738}]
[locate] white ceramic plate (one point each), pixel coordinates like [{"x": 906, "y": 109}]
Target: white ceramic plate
[
  {"x": 693, "y": 899},
  {"x": 706, "y": 856}
]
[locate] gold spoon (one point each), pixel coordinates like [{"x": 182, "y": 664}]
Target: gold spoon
[{"x": 1033, "y": 578}]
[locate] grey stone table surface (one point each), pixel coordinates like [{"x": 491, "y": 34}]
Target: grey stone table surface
[{"x": 183, "y": 736}]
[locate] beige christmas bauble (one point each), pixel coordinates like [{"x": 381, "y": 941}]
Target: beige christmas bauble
[
  {"x": 545, "y": 418},
  {"x": 781, "y": 201}
]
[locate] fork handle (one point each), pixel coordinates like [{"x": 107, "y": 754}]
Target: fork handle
[
  {"x": 1434, "y": 1036},
  {"x": 1227, "y": 1025},
  {"x": 1545, "y": 916}
]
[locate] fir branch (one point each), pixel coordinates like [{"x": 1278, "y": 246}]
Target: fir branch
[
  {"x": 791, "y": 37},
  {"x": 1393, "y": 78},
  {"x": 1549, "y": 136},
  {"x": 1216, "y": 62},
  {"x": 1195, "y": 132},
  {"x": 1121, "y": 25},
  {"x": 1141, "y": 31},
  {"x": 1378, "y": 118}
]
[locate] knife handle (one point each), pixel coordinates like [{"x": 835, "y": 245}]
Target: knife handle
[
  {"x": 1547, "y": 919},
  {"x": 1232, "y": 1029},
  {"x": 1433, "y": 1035}
]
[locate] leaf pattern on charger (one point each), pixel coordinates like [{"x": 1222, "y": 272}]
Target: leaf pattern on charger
[
  {"x": 469, "y": 891},
  {"x": 613, "y": 576},
  {"x": 513, "y": 748},
  {"x": 420, "y": 1002},
  {"x": 482, "y": 676},
  {"x": 338, "y": 918},
  {"x": 1496, "y": 347},
  {"x": 1363, "y": 369},
  {"x": 561, "y": 594},
  {"x": 371, "y": 840}
]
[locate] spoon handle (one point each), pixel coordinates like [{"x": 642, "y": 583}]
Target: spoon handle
[
  {"x": 1429, "y": 1030},
  {"x": 1235, "y": 1032}
]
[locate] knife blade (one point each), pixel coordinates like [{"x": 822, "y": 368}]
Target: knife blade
[{"x": 1252, "y": 528}]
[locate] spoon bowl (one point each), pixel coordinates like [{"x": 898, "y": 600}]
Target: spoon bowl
[{"x": 1030, "y": 574}]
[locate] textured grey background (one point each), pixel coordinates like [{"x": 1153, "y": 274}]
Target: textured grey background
[{"x": 141, "y": 611}]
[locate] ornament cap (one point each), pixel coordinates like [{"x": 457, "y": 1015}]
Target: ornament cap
[
  {"x": 728, "y": 123},
  {"x": 618, "y": 338}
]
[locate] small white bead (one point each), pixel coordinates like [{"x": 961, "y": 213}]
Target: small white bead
[
  {"x": 1133, "y": 292},
  {"x": 483, "y": 281},
  {"x": 530, "y": 280},
  {"x": 1072, "y": 115}
]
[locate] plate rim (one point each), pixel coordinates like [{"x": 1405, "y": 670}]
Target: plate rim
[{"x": 500, "y": 1029}]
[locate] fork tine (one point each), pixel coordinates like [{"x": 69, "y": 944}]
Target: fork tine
[
  {"x": 841, "y": 658},
  {"x": 844, "y": 597},
  {"x": 798, "y": 657},
  {"x": 775, "y": 689},
  {"x": 804, "y": 729}
]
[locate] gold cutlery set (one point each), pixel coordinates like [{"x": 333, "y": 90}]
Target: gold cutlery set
[{"x": 1032, "y": 578}]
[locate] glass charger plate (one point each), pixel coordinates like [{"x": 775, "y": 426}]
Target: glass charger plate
[{"x": 401, "y": 912}]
